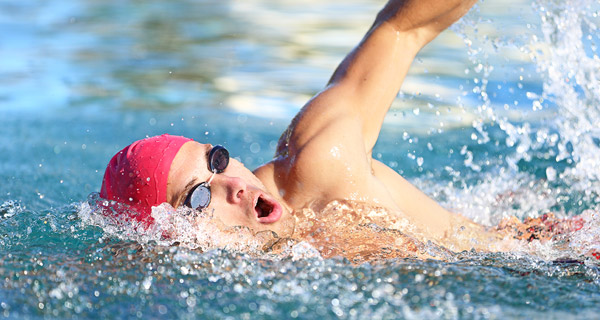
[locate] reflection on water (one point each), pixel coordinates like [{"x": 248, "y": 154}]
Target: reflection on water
[
  {"x": 498, "y": 117},
  {"x": 241, "y": 55}
]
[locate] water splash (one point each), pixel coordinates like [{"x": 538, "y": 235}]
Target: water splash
[
  {"x": 570, "y": 63},
  {"x": 555, "y": 125},
  {"x": 10, "y": 208},
  {"x": 182, "y": 227}
]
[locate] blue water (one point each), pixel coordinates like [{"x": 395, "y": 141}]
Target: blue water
[{"x": 498, "y": 117}]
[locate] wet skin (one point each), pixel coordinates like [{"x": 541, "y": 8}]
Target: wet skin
[
  {"x": 239, "y": 198},
  {"x": 326, "y": 152}
]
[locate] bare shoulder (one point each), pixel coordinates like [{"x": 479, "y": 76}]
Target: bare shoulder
[{"x": 321, "y": 165}]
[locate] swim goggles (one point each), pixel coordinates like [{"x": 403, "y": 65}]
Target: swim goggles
[{"x": 199, "y": 197}]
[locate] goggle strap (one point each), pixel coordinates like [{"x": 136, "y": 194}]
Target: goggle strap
[{"x": 211, "y": 177}]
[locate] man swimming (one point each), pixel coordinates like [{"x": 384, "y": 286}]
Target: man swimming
[{"x": 324, "y": 155}]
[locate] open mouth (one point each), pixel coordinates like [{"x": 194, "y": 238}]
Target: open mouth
[{"x": 267, "y": 210}]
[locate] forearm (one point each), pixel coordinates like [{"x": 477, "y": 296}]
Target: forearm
[
  {"x": 419, "y": 21},
  {"x": 370, "y": 76},
  {"x": 366, "y": 82},
  {"x": 372, "y": 73}
]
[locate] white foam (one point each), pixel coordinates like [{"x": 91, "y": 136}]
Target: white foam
[{"x": 183, "y": 227}]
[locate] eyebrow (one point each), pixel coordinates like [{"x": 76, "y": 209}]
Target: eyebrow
[{"x": 186, "y": 191}]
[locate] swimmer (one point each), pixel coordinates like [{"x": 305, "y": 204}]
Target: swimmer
[{"x": 324, "y": 155}]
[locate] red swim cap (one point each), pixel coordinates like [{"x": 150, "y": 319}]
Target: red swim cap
[{"x": 138, "y": 174}]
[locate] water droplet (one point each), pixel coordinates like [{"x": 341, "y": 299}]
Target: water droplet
[
  {"x": 531, "y": 95},
  {"x": 550, "y": 174},
  {"x": 478, "y": 68},
  {"x": 255, "y": 147},
  {"x": 147, "y": 283}
]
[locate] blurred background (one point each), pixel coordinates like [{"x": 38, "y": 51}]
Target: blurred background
[{"x": 498, "y": 116}]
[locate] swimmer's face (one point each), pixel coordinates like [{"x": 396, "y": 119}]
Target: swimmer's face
[{"x": 238, "y": 197}]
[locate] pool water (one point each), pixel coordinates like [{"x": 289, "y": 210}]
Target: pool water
[{"x": 497, "y": 117}]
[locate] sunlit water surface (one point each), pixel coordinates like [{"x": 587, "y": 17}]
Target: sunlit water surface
[{"x": 498, "y": 117}]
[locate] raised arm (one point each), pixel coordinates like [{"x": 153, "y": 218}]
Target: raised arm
[{"x": 364, "y": 85}]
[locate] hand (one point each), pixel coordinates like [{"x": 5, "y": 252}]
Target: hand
[
  {"x": 544, "y": 228},
  {"x": 428, "y": 17}
]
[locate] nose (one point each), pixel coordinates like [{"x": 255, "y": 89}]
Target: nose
[{"x": 235, "y": 188}]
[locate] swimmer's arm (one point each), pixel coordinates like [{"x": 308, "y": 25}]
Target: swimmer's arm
[
  {"x": 372, "y": 74},
  {"x": 366, "y": 82}
]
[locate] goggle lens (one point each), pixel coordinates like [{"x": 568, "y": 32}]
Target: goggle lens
[
  {"x": 218, "y": 159},
  {"x": 199, "y": 197}
]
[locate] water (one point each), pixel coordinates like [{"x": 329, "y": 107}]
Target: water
[{"x": 498, "y": 117}]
